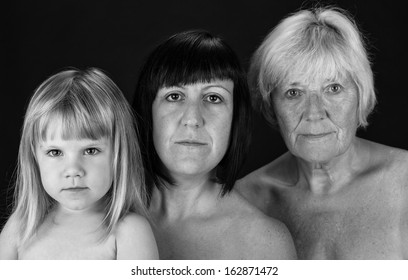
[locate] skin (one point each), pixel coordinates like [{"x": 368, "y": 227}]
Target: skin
[
  {"x": 77, "y": 173},
  {"x": 341, "y": 197},
  {"x": 191, "y": 127}
]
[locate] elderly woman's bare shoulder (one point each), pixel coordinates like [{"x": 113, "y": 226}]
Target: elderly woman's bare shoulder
[
  {"x": 260, "y": 236},
  {"x": 260, "y": 186},
  {"x": 272, "y": 174},
  {"x": 386, "y": 159}
]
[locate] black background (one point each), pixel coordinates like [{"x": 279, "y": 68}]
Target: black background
[{"x": 40, "y": 38}]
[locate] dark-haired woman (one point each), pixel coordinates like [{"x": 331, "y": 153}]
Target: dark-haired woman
[{"x": 194, "y": 113}]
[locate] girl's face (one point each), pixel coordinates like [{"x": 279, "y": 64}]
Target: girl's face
[
  {"x": 191, "y": 126},
  {"x": 76, "y": 173},
  {"x": 317, "y": 118}
]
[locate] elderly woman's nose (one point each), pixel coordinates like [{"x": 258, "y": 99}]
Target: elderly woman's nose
[
  {"x": 192, "y": 115},
  {"x": 314, "y": 108}
]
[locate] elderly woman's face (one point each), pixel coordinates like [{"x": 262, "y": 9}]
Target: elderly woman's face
[
  {"x": 191, "y": 126},
  {"x": 317, "y": 119}
]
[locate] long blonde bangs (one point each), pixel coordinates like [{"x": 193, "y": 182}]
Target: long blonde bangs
[{"x": 83, "y": 105}]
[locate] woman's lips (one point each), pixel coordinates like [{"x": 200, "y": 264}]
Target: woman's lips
[{"x": 191, "y": 143}]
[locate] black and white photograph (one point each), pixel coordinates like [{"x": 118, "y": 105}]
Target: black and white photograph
[{"x": 204, "y": 130}]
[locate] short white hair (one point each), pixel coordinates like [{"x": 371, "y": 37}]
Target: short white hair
[{"x": 316, "y": 42}]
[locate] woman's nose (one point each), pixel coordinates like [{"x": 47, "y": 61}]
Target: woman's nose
[
  {"x": 74, "y": 168},
  {"x": 192, "y": 116},
  {"x": 315, "y": 108}
]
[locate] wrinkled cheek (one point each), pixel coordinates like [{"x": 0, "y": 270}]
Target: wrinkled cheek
[{"x": 287, "y": 132}]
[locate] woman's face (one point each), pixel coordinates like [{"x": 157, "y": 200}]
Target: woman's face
[
  {"x": 191, "y": 126},
  {"x": 317, "y": 119}
]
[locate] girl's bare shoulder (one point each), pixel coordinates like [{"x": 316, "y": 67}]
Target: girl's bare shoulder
[
  {"x": 9, "y": 238},
  {"x": 134, "y": 238}
]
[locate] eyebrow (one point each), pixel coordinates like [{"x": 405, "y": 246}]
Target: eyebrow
[
  {"x": 328, "y": 80},
  {"x": 217, "y": 85},
  {"x": 206, "y": 87}
]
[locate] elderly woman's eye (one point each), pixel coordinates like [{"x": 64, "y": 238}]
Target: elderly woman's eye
[
  {"x": 293, "y": 93},
  {"x": 173, "y": 97},
  {"x": 334, "y": 88},
  {"x": 213, "y": 99}
]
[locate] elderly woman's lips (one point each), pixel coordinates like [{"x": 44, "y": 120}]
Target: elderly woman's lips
[{"x": 315, "y": 136}]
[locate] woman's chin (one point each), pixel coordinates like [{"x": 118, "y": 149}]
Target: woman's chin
[{"x": 189, "y": 169}]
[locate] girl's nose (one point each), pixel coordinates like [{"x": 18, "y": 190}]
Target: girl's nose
[{"x": 74, "y": 169}]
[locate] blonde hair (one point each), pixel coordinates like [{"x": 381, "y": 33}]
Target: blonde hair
[
  {"x": 317, "y": 42},
  {"x": 89, "y": 105}
]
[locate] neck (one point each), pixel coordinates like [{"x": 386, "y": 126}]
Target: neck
[
  {"x": 89, "y": 216},
  {"x": 188, "y": 197},
  {"x": 329, "y": 177}
]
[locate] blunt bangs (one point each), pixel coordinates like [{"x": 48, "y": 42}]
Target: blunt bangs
[
  {"x": 77, "y": 117},
  {"x": 187, "y": 58},
  {"x": 191, "y": 60},
  {"x": 73, "y": 125}
]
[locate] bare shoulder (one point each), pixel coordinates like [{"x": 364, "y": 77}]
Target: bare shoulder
[
  {"x": 392, "y": 162},
  {"x": 386, "y": 155},
  {"x": 261, "y": 186},
  {"x": 264, "y": 237},
  {"x": 273, "y": 240},
  {"x": 275, "y": 173},
  {"x": 134, "y": 238},
  {"x": 132, "y": 223},
  {"x": 9, "y": 239}
]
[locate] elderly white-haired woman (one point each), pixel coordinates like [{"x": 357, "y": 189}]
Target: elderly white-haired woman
[{"x": 342, "y": 197}]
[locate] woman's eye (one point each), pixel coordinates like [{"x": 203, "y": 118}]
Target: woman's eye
[
  {"x": 54, "y": 153},
  {"x": 173, "y": 97},
  {"x": 213, "y": 99},
  {"x": 293, "y": 93},
  {"x": 334, "y": 88},
  {"x": 91, "y": 151}
]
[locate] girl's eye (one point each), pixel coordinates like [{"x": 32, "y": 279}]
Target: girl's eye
[
  {"x": 213, "y": 99},
  {"x": 334, "y": 88},
  {"x": 293, "y": 93},
  {"x": 91, "y": 151},
  {"x": 173, "y": 97},
  {"x": 54, "y": 153}
]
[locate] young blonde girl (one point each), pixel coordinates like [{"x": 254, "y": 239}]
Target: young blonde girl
[{"x": 80, "y": 180}]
